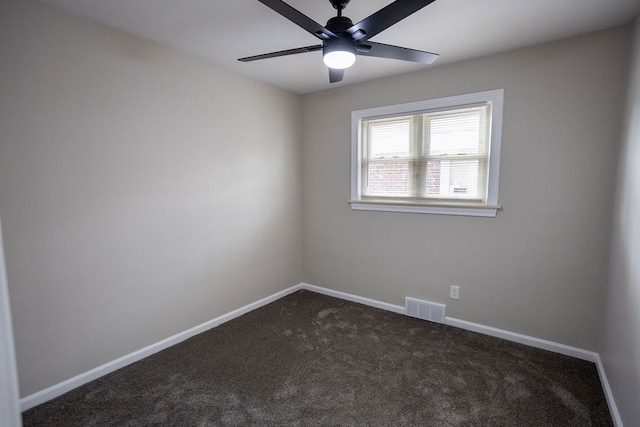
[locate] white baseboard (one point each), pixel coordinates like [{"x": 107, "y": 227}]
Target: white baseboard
[
  {"x": 68, "y": 385},
  {"x": 567, "y": 350},
  {"x": 354, "y": 298},
  {"x": 613, "y": 408},
  {"x": 463, "y": 324}
]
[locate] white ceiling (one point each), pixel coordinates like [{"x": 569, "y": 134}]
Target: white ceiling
[{"x": 222, "y": 31}]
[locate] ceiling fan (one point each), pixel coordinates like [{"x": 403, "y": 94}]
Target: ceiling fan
[{"x": 342, "y": 40}]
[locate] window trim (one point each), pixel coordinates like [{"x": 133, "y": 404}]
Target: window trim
[{"x": 488, "y": 209}]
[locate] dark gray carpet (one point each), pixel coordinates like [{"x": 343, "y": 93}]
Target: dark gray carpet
[{"x": 313, "y": 360}]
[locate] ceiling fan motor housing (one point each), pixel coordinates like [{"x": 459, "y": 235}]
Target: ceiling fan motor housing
[
  {"x": 339, "y": 24},
  {"x": 339, "y": 4}
]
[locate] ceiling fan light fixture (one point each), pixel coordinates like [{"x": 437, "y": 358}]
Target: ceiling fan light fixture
[
  {"x": 342, "y": 41},
  {"x": 339, "y": 55}
]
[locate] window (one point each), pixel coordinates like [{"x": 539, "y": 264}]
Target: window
[{"x": 439, "y": 156}]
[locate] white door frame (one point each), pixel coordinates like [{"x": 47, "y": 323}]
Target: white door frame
[{"x": 9, "y": 396}]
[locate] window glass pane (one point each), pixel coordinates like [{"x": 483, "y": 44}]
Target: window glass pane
[
  {"x": 455, "y": 179},
  {"x": 389, "y": 138},
  {"x": 457, "y": 133},
  {"x": 388, "y": 178}
]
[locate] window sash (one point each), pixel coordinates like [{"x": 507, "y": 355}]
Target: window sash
[{"x": 416, "y": 156}]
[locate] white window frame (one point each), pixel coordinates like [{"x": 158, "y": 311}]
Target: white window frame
[{"x": 487, "y": 209}]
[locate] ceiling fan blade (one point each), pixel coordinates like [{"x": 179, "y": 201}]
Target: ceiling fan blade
[
  {"x": 282, "y": 53},
  {"x": 299, "y": 19},
  {"x": 385, "y": 17},
  {"x": 380, "y": 50},
  {"x": 335, "y": 75}
]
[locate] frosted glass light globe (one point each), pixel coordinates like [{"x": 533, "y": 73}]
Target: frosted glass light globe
[{"x": 339, "y": 59}]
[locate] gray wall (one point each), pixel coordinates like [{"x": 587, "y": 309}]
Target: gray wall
[
  {"x": 143, "y": 191},
  {"x": 620, "y": 346},
  {"x": 540, "y": 266}
]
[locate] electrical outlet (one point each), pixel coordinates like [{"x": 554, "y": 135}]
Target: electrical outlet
[{"x": 454, "y": 292}]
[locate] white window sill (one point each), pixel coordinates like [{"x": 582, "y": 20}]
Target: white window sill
[{"x": 467, "y": 209}]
